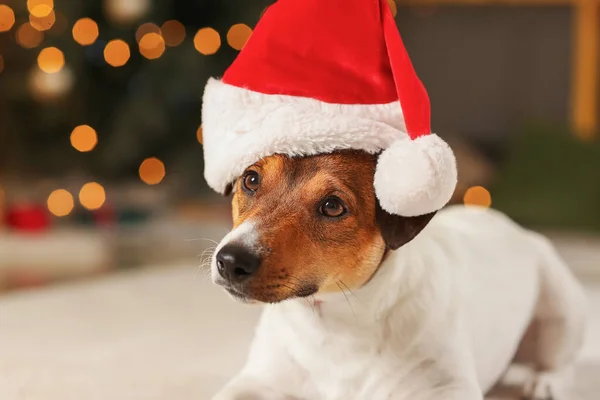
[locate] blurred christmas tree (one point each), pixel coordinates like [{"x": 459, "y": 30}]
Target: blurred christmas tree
[{"x": 60, "y": 68}]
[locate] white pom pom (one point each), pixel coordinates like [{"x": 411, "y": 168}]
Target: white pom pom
[{"x": 415, "y": 177}]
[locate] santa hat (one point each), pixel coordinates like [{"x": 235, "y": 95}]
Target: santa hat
[{"x": 318, "y": 76}]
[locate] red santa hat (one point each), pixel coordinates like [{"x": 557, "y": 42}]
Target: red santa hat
[{"x": 318, "y": 76}]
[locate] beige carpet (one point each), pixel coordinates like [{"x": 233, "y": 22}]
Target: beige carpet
[{"x": 158, "y": 334}]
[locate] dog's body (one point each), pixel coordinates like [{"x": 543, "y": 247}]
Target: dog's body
[{"x": 441, "y": 318}]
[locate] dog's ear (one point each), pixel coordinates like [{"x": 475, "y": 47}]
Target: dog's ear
[
  {"x": 396, "y": 230},
  {"x": 228, "y": 189}
]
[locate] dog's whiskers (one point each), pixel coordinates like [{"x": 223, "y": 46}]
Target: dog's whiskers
[
  {"x": 205, "y": 261},
  {"x": 352, "y": 293},
  {"x": 347, "y": 299},
  {"x": 294, "y": 279},
  {"x": 208, "y": 250},
  {"x": 312, "y": 305},
  {"x": 207, "y": 239},
  {"x": 206, "y": 255},
  {"x": 293, "y": 288}
]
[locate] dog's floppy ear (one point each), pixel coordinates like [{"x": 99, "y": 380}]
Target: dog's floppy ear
[
  {"x": 397, "y": 230},
  {"x": 228, "y": 189}
]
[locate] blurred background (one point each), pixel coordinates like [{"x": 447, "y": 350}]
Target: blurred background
[
  {"x": 101, "y": 172},
  {"x": 101, "y": 132}
]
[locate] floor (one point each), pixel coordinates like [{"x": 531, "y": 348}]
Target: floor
[{"x": 163, "y": 333}]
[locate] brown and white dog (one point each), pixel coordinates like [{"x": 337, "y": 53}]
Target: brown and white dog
[{"x": 361, "y": 304}]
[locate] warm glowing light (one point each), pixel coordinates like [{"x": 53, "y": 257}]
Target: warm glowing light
[
  {"x": 207, "y": 41},
  {"x": 92, "y": 196},
  {"x": 393, "y": 7},
  {"x": 51, "y": 60},
  {"x": 199, "y": 134},
  {"x": 60, "y": 203},
  {"x": 85, "y": 31},
  {"x": 152, "y": 171},
  {"x": 478, "y": 196},
  {"x": 84, "y": 138},
  {"x": 238, "y": 35},
  {"x": 41, "y": 11},
  {"x": 1, "y": 64},
  {"x": 45, "y": 87},
  {"x": 173, "y": 32},
  {"x": 144, "y": 29},
  {"x": 7, "y": 18},
  {"x": 126, "y": 11},
  {"x": 116, "y": 53},
  {"x": 29, "y": 37},
  {"x": 152, "y": 46},
  {"x": 42, "y": 23},
  {"x": 39, "y": 7}
]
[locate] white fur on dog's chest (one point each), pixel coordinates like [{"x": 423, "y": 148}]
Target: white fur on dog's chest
[{"x": 340, "y": 361}]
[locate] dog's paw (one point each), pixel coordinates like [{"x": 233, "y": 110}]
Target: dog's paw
[
  {"x": 538, "y": 392},
  {"x": 545, "y": 386}
]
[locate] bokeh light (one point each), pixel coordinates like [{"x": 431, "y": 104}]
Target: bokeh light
[
  {"x": 144, "y": 29},
  {"x": 207, "y": 41},
  {"x": 84, "y": 138},
  {"x": 152, "y": 46},
  {"x": 478, "y": 196},
  {"x": 7, "y": 18},
  {"x": 173, "y": 32},
  {"x": 152, "y": 171},
  {"x": 29, "y": 37},
  {"x": 92, "y": 196},
  {"x": 60, "y": 203},
  {"x": 238, "y": 35},
  {"x": 40, "y": 8},
  {"x": 42, "y": 23},
  {"x": 41, "y": 11},
  {"x": 45, "y": 87},
  {"x": 199, "y": 134},
  {"x": 117, "y": 53},
  {"x": 51, "y": 60},
  {"x": 126, "y": 11},
  {"x": 85, "y": 31}
]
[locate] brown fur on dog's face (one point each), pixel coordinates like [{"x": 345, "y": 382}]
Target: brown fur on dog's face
[{"x": 301, "y": 250}]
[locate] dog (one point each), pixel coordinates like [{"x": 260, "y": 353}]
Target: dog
[{"x": 361, "y": 304}]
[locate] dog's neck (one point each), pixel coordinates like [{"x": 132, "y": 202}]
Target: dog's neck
[
  {"x": 394, "y": 305},
  {"x": 364, "y": 306}
]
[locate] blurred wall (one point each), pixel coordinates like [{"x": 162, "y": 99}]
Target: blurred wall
[{"x": 491, "y": 69}]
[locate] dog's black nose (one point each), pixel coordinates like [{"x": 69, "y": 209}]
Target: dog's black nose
[{"x": 236, "y": 263}]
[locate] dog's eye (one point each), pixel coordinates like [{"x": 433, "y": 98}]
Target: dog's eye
[
  {"x": 332, "y": 207},
  {"x": 251, "y": 181}
]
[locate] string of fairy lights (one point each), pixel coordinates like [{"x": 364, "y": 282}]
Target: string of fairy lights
[{"x": 53, "y": 74}]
